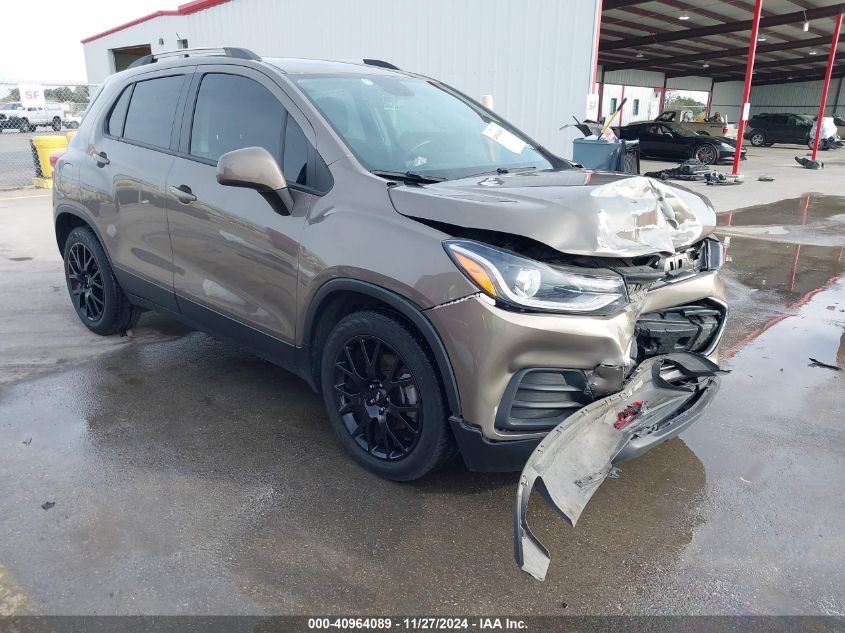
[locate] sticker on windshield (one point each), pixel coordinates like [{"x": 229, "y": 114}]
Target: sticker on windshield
[{"x": 504, "y": 138}]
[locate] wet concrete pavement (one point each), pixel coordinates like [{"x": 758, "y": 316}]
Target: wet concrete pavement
[{"x": 191, "y": 477}]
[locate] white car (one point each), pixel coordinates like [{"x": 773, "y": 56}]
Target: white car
[
  {"x": 72, "y": 121},
  {"x": 16, "y": 116}
]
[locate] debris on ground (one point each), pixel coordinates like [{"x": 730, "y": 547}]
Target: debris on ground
[
  {"x": 721, "y": 178},
  {"x": 818, "y": 363},
  {"x": 47, "y": 505},
  {"x": 27, "y": 441},
  {"x": 809, "y": 164},
  {"x": 766, "y": 179},
  {"x": 695, "y": 170},
  {"x": 691, "y": 169}
]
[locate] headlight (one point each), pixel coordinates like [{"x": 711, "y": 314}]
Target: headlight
[{"x": 527, "y": 284}]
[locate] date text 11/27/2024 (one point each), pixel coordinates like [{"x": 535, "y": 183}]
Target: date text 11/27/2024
[{"x": 417, "y": 624}]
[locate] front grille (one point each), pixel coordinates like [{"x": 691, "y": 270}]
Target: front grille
[
  {"x": 687, "y": 328},
  {"x": 540, "y": 399}
]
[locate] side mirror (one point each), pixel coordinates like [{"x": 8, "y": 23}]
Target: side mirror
[{"x": 255, "y": 168}]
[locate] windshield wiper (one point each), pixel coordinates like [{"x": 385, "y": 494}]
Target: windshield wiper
[
  {"x": 501, "y": 171},
  {"x": 407, "y": 177}
]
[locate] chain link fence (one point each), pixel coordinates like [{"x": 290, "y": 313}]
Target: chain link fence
[{"x": 56, "y": 111}]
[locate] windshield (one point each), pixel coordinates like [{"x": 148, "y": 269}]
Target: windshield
[
  {"x": 13, "y": 105},
  {"x": 680, "y": 130},
  {"x": 403, "y": 124}
]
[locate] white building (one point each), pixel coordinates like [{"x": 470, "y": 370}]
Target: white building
[{"x": 527, "y": 55}]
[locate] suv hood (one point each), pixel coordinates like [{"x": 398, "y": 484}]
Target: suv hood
[{"x": 574, "y": 211}]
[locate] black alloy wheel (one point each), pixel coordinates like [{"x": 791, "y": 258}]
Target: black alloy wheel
[
  {"x": 377, "y": 398},
  {"x": 384, "y": 396},
  {"x": 86, "y": 283},
  {"x": 97, "y": 297}
]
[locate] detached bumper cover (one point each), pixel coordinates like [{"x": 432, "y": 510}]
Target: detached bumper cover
[{"x": 663, "y": 395}]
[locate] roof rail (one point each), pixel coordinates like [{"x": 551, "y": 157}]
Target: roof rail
[
  {"x": 226, "y": 51},
  {"x": 380, "y": 63}
]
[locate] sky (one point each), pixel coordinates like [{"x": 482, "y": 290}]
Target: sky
[{"x": 48, "y": 49}]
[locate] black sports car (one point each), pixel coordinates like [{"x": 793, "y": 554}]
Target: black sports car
[{"x": 673, "y": 141}]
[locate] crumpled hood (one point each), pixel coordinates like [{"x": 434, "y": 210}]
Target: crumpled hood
[{"x": 573, "y": 211}]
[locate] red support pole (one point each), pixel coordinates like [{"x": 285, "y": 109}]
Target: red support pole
[
  {"x": 746, "y": 91},
  {"x": 830, "y": 57}
]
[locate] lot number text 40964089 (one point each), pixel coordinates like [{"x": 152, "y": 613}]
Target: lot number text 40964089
[{"x": 417, "y": 624}]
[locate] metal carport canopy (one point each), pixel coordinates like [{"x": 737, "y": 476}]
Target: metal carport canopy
[{"x": 717, "y": 33}]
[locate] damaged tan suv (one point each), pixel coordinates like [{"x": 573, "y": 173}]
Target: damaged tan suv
[{"x": 445, "y": 282}]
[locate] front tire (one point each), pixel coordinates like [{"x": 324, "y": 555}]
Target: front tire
[
  {"x": 97, "y": 298},
  {"x": 758, "y": 139},
  {"x": 57, "y": 124},
  {"x": 23, "y": 126},
  {"x": 384, "y": 399}
]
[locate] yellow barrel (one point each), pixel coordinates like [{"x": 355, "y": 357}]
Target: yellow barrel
[
  {"x": 44, "y": 146},
  {"x": 70, "y": 135}
]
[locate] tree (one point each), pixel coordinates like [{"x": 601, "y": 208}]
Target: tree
[
  {"x": 684, "y": 102},
  {"x": 14, "y": 95}
]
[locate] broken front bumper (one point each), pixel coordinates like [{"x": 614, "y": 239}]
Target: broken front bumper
[{"x": 663, "y": 395}]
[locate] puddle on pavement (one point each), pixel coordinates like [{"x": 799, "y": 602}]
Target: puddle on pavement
[
  {"x": 767, "y": 280},
  {"x": 778, "y": 257},
  {"x": 810, "y": 219}
]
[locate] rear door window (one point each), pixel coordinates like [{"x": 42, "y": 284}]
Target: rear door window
[
  {"x": 149, "y": 119},
  {"x": 233, "y": 112}
]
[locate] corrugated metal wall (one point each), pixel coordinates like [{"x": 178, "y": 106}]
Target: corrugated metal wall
[
  {"x": 528, "y": 56},
  {"x": 646, "y": 78},
  {"x": 799, "y": 98},
  {"x": 689, "y": 83},
  {"x": 727, "y": 96}
]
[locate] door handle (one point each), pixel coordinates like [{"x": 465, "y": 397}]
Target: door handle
[
  {"x": 101, "y": 159},
  {"x": 183, "y": 194}
]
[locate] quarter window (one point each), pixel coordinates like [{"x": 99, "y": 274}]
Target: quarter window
[
  {"x": 233, "y": 112},
  {"x": 152, "y": 109},
  {"x": 296, "y": 153},
  {"x": 117, "y": 118}
]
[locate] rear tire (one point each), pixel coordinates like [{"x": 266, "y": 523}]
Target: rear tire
[
  {"x": 758, "y": 139},
  {"x": 57, "y": 124},
  {"x": 384, "y": 399},
  {"x": 23, "y": 126},
  {"x": 707, "y": 154},
  {"x": 97, "y": 298}
]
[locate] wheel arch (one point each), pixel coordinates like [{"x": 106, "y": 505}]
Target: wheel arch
[
  {"x": 339, "y": 297},
  {"x": 69, "y": 218}
]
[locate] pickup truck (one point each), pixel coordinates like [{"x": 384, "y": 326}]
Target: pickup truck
[
  {"x": 698, "y": 124},
  {"x": 16, "y": 116}
]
